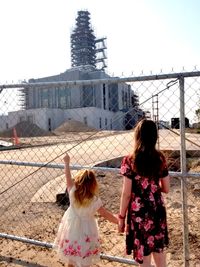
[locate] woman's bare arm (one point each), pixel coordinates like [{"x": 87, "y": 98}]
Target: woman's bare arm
[
  {"x": 125, "y": 196},
  {"x": 165, "y": 184},
  {"x": 125, "y": 199}
]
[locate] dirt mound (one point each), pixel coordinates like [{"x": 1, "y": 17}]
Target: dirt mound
[
  {"x": 73, "y": 126},
  {"x": 25, "y": 129}
]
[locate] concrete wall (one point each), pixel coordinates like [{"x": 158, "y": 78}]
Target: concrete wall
[
  {"x": 96, "y": 118},
  {"x": 40, "y": 117},
  {"x": 50, "y": 119},
  {"x": 3, "y": 122}
]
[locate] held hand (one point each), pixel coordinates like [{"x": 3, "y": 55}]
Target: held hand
[
  {"x": 116, "y": 218},
  {"x": 121, "y": 225},
  {"x": 66, "y": 158}
]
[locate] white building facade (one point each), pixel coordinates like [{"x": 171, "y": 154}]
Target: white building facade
[{"x": 101, "y": 106}]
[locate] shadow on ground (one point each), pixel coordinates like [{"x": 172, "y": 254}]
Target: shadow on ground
[{"x": 10, "y": 261}]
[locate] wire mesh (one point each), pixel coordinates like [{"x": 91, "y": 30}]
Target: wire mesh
[{"x": 94, "y": 121}]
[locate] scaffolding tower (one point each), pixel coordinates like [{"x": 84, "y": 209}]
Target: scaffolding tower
[
  {"x": 100, "y": 53},
  {"x": 83, "y": 48}
]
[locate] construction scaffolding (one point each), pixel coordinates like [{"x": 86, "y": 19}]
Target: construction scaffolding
[
  {"x": 86, "y": 49},
  {"x": 83, "y": 49},
  {"x": 100, "y": 53}
]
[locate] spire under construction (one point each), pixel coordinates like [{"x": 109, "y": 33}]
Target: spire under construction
[
  {"x": 83, "y": 51},
  {"x": 85, "y": 48}
]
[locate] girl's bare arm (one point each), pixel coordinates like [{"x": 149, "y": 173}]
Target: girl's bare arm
[
  {"x": 68, "y": 176},
  {"x": 107, "y": 215}
]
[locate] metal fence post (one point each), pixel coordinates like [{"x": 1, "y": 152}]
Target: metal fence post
[{"x": 184, "y": 172}]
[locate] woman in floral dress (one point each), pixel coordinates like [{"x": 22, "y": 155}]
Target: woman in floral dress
[
  {"x": 77, "y": 240},
  {"x": 145, "y": 177}
]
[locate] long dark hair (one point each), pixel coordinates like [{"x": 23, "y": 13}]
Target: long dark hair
[{"x": 147, "y": 160}]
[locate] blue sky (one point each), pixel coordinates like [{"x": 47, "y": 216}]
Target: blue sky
[{"x": 141, "y": 35}]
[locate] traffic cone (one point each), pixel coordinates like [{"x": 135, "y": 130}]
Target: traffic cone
[{"x": 15, "y": 137}]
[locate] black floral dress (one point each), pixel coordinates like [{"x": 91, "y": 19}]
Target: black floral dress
[{"x": 146, "y": 219}]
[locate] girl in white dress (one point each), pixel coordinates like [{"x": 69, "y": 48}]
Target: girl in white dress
[{"x": 77, "y": 241}]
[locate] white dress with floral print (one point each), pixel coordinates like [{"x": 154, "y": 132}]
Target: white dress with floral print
[{"x": 77, "y": 240}]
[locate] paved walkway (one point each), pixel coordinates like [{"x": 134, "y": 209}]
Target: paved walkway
[
  {"x": 90, "y": 152},
  {"x": 96, "y": 150}
]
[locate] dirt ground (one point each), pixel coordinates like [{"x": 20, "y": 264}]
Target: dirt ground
[{"x": 40, "y": 220}]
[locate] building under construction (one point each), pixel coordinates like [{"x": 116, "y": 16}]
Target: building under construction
[{"x": 95, "y": 105}]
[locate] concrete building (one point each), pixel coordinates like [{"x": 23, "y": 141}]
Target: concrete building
[{"x": 102, "y": 106}]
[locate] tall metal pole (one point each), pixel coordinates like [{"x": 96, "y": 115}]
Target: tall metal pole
[{"x": 184, "y": 173}]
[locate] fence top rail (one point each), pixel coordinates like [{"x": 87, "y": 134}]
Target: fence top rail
[
  {"x": 105, "y": 81},
  {"x": 79, "y": 167}
]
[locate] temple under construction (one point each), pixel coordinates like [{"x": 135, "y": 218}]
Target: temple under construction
[{"x": 102, "y": 106}]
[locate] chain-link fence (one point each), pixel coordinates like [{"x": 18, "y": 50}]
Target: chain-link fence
[{"x": 94, "y": 121}]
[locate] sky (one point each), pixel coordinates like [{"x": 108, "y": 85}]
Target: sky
[{"x": 142, "y": 35}]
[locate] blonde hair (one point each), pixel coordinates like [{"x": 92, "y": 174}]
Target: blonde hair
[{"x": 86, "y": 187}]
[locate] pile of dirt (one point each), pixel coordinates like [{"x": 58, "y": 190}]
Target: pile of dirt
[
  {"x": 73, "y": 126},
  {"x": 25, "y": 129}
]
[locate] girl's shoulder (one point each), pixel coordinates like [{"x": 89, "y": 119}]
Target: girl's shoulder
[
  {"x": 73, "y": 188},
  {"x": 96, "y": 202},
  {"x": 71, "y": 191}
]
